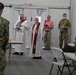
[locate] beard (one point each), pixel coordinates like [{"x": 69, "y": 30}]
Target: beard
[{"x": 35, "y": 22}]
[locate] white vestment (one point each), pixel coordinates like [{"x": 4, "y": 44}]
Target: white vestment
[
  {"x": 20, "y": 35},
  {"x": 38, "y": 50},
  {"x": 28, "y": 38}
]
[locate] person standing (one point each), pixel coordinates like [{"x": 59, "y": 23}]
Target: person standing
[
  {"x": 20, "y": 27},
  {"x": 48, "y": 26},
  {"x": 4, "y": 37},
  {"x": 63, "y": 25},
  {"x": 36, "y": 40}
]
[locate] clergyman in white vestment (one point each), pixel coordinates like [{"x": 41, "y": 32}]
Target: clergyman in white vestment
[
  {"x": 36, "y": 41},
  {"x": 20, "y": 27}
]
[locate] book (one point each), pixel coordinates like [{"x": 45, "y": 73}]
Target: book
[
  {"x": 19, "y": 25},
  {"x": 45, "y": 25}
]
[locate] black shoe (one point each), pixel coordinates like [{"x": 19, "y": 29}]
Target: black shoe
[
  {"x": 44, "y": 48},
  {"x": 37, "y": 57},
  {"x": 15, "y": 53},
  {"x": 48, "y": 48},
  {"x": 21, "y": 53}
]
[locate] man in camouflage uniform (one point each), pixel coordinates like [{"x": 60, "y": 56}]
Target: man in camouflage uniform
[
  {"x": 4, "y": 36},
  {"x": 64, "y": 25}
]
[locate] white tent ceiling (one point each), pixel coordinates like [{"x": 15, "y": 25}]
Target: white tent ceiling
[{"x": 39, "y": 2}]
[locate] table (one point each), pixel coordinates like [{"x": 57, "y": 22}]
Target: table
[
  {"x": 71, "y": 44},
  {"x": 10, "y": 42},
  {"x": 72, "y": 56}
]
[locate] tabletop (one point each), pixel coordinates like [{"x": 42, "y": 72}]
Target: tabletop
[
  {"x": 15, "y": 42},
  {"x": 70, "y": 55}
]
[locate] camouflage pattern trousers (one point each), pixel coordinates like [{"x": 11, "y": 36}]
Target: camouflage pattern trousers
[
  {"x": 2, "y": 62},
  {"x": 63, "y": 39},
  {"x": 47, "y": 39}
]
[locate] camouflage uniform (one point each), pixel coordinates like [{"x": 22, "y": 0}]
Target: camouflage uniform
[
  {"x": 63, "y": 32},
  {"x": 4, "y": 36}
]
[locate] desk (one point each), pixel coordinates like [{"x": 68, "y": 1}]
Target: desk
[{"x": 10, "y": 43}]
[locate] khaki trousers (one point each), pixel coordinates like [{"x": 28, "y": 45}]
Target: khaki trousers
[{"x": 47, "y": 39}]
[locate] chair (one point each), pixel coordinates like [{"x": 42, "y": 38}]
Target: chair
[{"x": 59, "y": 60}]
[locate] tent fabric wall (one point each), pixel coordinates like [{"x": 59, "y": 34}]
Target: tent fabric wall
[
  {"x": 8, "y": 14},
  {"x": 73, "y": 20},
  {"x": 11, "y": 14},
  {"x": 30, "y": 14},
  {"x": 56, "y": 16}
]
